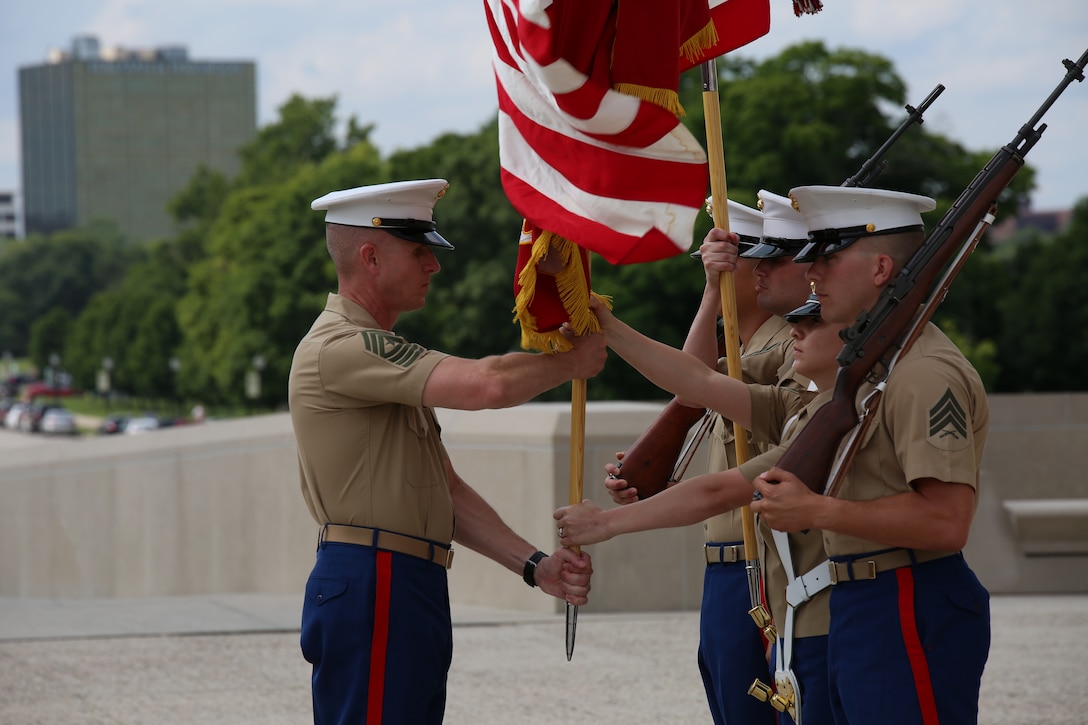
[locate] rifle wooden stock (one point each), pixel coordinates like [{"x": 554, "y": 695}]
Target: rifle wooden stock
[
  {"x": 876, "y": 334},
  {"x": 649, "y": 462}
]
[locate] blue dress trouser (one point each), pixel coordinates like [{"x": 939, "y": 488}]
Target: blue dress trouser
[
  {"x": 909, "y": 647},
  {"x": 376, "y": 628},
  {"x": 809, "y": 666},
  {"x": 731, "y": 649}
]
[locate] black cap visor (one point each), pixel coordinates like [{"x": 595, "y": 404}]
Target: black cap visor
[
  {"x": 772, "y": 247},
  {"x": 413, "y": 230},
  {"x": 808, "y": 311},
  {"x": 828, "y": 241}
]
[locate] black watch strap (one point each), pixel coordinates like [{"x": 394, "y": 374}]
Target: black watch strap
[{"x": 529, "y": 574}]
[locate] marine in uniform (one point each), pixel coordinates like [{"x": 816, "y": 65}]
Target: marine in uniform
[
  {"x": 375, "y": 474},
  {"x": 910, "y": 631},
  {"x": 732, "y": 650},
  {"x": 770, "y": 411},
  {"x": 797, "y": 595}
]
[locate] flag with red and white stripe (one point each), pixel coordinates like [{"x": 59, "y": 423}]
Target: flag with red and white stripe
[
  {"x": 611, "y": 171},
  {"x": 591, "y": 148}
]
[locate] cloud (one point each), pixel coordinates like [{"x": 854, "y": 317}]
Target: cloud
[
  {"x": 416, "y": 77},
  {"x": 418, "y": 68}
]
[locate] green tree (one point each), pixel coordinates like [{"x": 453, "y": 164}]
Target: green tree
[
  {"x": 62, "y": 271},
  {"x": 264, "y": 279},
  {"x": 98, "y": 333},
  {"x": 806, "y": 116},
  {"x": 982, "y": 355},
  {"x": 304, "y": 134},
  {"x": 47, "y": 335},
  {"x": 135, "y": 325},
  {"x": 1040, "y": 345}
]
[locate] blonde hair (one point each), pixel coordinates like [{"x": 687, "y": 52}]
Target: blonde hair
[
  {"x": 900, "y": 247},
  {"x": 343, "y": 242}
]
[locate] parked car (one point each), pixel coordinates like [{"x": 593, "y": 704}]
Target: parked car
[
  {"x": 31, "y": 419},
  {"x": 142, "y": 424},
  {"x": 14, "y": 416},
  {"x": 114, "y": 423},
  {"x": 58, "y": 421}
]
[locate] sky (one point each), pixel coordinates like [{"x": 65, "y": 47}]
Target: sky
[{"x": 419, "y": 68}]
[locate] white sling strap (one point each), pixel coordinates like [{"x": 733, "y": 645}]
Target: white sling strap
[{"x": 799, "y": 590}]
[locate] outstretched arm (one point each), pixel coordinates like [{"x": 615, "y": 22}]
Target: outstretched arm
[
  {"x": 501, "y": 381},
  {"x": 684, "y": 503},
  {"x": 676, "y": 371}
]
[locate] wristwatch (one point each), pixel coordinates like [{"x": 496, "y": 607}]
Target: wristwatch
[{"x": 529, "y": 574}]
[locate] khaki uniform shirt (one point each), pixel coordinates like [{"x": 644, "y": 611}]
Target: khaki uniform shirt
[
  {"x": 370, "y": 454},
  {"x": 931, "y": 423},
  {"x": 806, "y": 548},
  {"x": 766, "y": 359}
]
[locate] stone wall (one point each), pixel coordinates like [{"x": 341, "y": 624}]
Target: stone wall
[{"x": 216, "y": 508}]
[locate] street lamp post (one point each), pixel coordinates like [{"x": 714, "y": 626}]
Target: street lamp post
[
  {"x": 8, "y": 369},
  {"x": 103, "y": 383},
  {"x": 253, "y": 378},
  {"x": 175, "y": 368},
  {"x": 51, "y": 371}
]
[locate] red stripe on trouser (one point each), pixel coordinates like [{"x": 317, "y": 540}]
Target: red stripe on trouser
[
  {"x": 376, "y": 687},
  {"x": 915, "y": 654}
]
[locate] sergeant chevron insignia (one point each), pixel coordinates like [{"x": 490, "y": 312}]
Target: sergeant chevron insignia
[
  {"x": 389, "y": 347},
  {"x": 947, "y": 418}
]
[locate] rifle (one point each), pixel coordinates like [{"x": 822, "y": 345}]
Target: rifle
[
  {"x": 651, "y": 464},
  {"x": 882, "y": 333}
]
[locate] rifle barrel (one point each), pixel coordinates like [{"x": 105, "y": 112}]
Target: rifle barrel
[
  {"x": 1028, "y": 134},
  {"x": 874, "y": 165}
]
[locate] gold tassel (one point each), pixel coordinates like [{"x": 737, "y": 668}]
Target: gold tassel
[
  {"x": 669, "y": 100},
  {"x": 705, "y": 39},
  {"x": 570, "y": 282}
]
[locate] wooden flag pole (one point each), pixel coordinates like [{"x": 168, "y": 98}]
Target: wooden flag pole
[
  {"x": 718, "y": 193},
  {"x": 577, "y": 467}
]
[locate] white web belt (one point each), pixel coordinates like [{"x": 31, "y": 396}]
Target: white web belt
[{"x": 799, "y": 590}]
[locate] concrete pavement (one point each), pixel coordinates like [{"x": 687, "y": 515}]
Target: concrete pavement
[{"x": 235, "y": 659}]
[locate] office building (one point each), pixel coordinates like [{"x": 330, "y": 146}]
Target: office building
[
  {"x": 117, "y": 133},
  {"x": 8, "y": 218}
]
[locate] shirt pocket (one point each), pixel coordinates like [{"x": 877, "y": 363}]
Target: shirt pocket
[{"x": 422, "y": 456}]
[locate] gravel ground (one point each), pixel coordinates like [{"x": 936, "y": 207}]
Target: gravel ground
[{"x": 627, "y": 668}]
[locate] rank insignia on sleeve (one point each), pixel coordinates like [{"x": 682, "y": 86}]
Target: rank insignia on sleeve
[
  {"x": 947, "y": 418},
  {"x": 389, "y": 347}
]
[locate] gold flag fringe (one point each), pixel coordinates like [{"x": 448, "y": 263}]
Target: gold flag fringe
[
  {"x": 573, "y": 295},
  {"x": 705, "y": 39},
  {"x": 667, "y": 99}
]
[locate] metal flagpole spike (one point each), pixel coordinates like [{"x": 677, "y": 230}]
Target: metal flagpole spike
[{"x": 572, "y": 627}]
